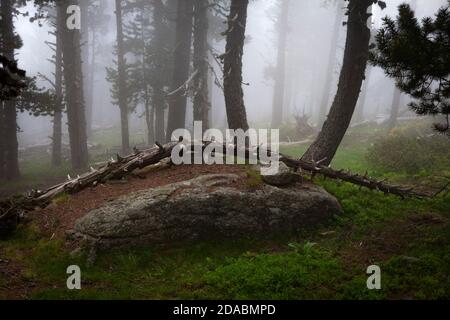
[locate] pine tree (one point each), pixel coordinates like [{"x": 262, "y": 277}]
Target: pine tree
[
  {"x": 56, "y": 83},
  {"x": 9, "y": 43},
  {"x": 232, "y": 59},
  {"x": 280, "y": 73},
  {"x": 11, "y": 84},
  {"x": 352, "y": 75},
  {"x": 73, "y": 79},
  {"x": 201, "y": 65},
  {"x": 122, "y": 89},
  {"x": 138, "y": 34},
  {"x": 181, "y": 67},
  {"x": 416, "y": 55},
  {"x": 94, "y": 23}
]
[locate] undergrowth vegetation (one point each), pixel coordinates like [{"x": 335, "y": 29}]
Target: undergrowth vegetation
[
  {"x": 408, "y": 239},
  {"x": 411, "y": 155}
]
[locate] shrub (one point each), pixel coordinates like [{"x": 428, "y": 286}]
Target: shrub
[{"x": 407, "y": 154}]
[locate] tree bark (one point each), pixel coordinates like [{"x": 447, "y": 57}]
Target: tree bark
[
  {"x": 2, "y": 143},
  {"x": 158, "y": 97},
  {"x": 87, "y": 67},
  {"x": 280, "y": 78},
  {"x": 57, "y": 118},
  {"x": 149, "y": 110},
  {"x": 331, "y": 62},
  {"x": 360, "y": 107},
  {"x": 73, "y": 79},
  {"x": 10, "y": 143},
  {"x": 234, "y": 50},
  {"x": 182, "y": 56},
  {"x": 150, "y": 121},
  {"x": 91, "y": 84},
  {"x": 350, "y": 81},
  {"x": 123, "y": 106},
  {"x": 201, "y": 65}
]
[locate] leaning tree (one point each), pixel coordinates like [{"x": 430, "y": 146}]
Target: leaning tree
[{"x": 351, "y": 78}]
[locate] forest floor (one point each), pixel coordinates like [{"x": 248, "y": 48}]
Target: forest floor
[{"x": 408, "y": 239}]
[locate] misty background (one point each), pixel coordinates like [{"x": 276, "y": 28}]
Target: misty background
[{"x": 311, "y": 29}]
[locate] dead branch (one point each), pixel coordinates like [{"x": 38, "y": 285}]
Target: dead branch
[{"x": 363, "y": 181}]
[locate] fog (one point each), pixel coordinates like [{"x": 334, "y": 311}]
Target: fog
[{"x": 311, "y": 24}]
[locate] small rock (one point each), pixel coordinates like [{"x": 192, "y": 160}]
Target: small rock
[{"x": 278, "y": 177}]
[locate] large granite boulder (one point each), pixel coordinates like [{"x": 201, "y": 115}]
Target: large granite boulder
[{"x": 207, "y": 207}]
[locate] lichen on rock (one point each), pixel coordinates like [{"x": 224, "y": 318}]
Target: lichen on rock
[{"x": 207, "y": 207}]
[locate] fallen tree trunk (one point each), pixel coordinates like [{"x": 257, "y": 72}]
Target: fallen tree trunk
[
  {"x": 362, "y": 181},
  {"x": 11, "y": 209},
  {"x": 113, "y": 170}
]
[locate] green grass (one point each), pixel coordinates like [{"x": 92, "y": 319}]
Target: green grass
[
  {"x": 347, "y": 157},
  {"x": 276, "y": 276},
  {"x": 112, "y": 137},
  {"x": 35, "y": 173}
]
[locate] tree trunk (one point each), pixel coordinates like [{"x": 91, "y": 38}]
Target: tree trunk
[
  {"x": 350, "y": 81},
  {"x": 122, "y": 80},
  {"x": 182, "y": 56},
  {"x": 2, "y": 143},
  {"x": 201, "y": 64},
  {"x": 91, "y": 86},
  {"x": 11, "y": 145},
  {"x": 280, "y": 78},
  {"x": 73, "y": 79},
  {"x": 232, "y": 82},
  {"x": 331, "y": 62},
  {"x": 57, "y": 118},
  {"x": 395, "y": 108},
  {"x": 158, "y": 98},
  {"x": 149, "y": 110},
  {"x": 87, "y": 67},
  {"x": 150, "y": 120},
  {"x": 360, "y": 107}
]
